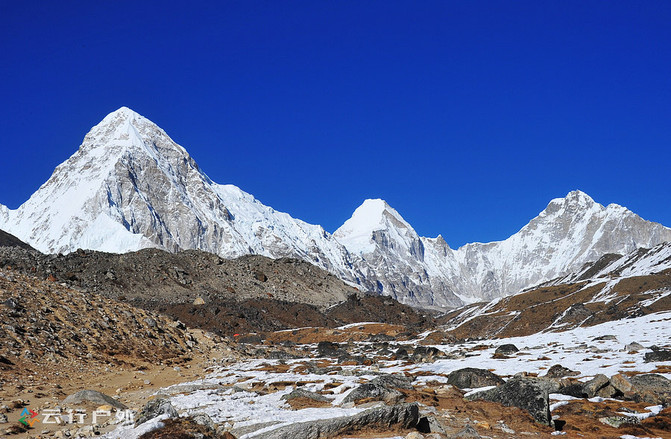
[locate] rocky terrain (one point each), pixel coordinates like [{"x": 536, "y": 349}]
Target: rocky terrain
[
  {"x": 224, "y": 296},
  {"x": 361, "y": 367},
  {"x": 377, "y": 381}
]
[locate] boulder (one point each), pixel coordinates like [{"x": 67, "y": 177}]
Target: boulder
[
  {"x": 402, "y": 354},
  {"x": 559, "y": 371},
  {"x": 383, "y": 418},
  {"x": 652, "y": 388},
  {"x": 506, "y": 350},
  {"x": 471, "y": 378},
  {"x": 621, "y": 383},
  {"x": 375, "y": 392},
  {"x": 94, "y": 397},
  {"x": 634, "y": 347},
  {"x": 393, "y": 381},
  {"x": 468, "y": 432},
  {"x": 330, "y": 349},
  {"x": 657, "y": 354},
  {"x": 155, "y": 408},
  {"x": 204, "y": 420},
  {"x": 527, "y": 394},
  {"x": 429, "y": 424},
  {"x": 592, "y": 387},
  {"x": 426, "y": 354}
]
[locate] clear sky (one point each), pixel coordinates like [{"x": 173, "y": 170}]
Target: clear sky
[{"x": 467, "y": 117}]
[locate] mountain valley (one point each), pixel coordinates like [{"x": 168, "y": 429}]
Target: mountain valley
[{"x": 207, "y": 314}]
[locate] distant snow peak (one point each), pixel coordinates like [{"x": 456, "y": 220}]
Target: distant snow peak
[
  {"x": 130, "y": 186},
  {"x": 357, "y": 233}
]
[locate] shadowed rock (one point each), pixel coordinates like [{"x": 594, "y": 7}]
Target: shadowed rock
[
  {"x": 527, "y": 394},
  {"x": 471, "y": 378},
  {"x": 155, "y": 408},
  {"x": 93, "y": 396},
  {"x": 383, "y": 418}
]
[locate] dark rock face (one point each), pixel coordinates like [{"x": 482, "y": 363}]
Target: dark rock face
[
  {"x": 402, "y": 354},
  {"x": 506, "y": 349},
  {"x": 657, "y": 354},
  {"x": 559, "y": 371},
  {"x": 154, "y": 408},
  {"x": 524, "y": 393},
  {"x": 93, "y": 396},
  {"x": 470, "y": 378},
  {"x": 9, "y": 240},
  {"x": 330, "y": 349},
  {"x": 401, "y": 416}
]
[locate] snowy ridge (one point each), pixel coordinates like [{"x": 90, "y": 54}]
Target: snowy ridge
[
  {"x": 570, "y": 232},
  {"x": 640, "y": 262},
  {"x": 130, "y": 186}
]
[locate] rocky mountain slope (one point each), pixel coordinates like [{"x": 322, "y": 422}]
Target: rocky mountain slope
[
  {"x": 52, "y": 329},
  {"x": 7, "y": 240},
  {"x": 224, "y": 296},
  {"x": 129, "y": 187},
  {"x": 613, "y": 288}
]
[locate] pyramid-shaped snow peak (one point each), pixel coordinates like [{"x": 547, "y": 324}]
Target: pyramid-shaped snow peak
[
  {"x": 130, "y": 186},
  {"x": 357, "y": 233}
]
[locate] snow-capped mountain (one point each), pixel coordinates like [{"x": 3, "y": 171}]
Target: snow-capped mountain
[
  {"x": 570, "y": 232},
  {"x": 129, "y": 186}
]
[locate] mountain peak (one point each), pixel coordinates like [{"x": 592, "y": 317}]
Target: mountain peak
[
  {"x": 123, "y": 113},
  {"x": 574, "y": 201},
  {"x": 371, "y": 216}
]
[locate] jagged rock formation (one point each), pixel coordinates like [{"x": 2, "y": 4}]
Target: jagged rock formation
[{"x": 129, "y": 186}]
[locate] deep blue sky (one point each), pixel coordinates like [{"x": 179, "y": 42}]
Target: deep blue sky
[{"x": 467, "y": 117}]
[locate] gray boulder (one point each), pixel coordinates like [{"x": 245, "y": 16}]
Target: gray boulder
[
  {"x": 383, "y": 418},
  {"x": 597, "y": 386},
  {"x": 468, "y": 432},
  {"x": 302, "y": 393},
  {"x": 651, "y": 387},
  {"x": 559, "y": 371},
  {"x": 429, "y": 424},
  {"x": 393, "y": 381},
  {"x": 374, "y": 392},
  {"x": 94, "y": 397},
  {"x": 592, "y": 387},
  {"x": 634, "y": 347},
  {"x": 527, "y": 394},
  {"x": 155, "y": 408},
  {"x": 471, "y": 378},
  {"x": 204, "y": 420}
]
